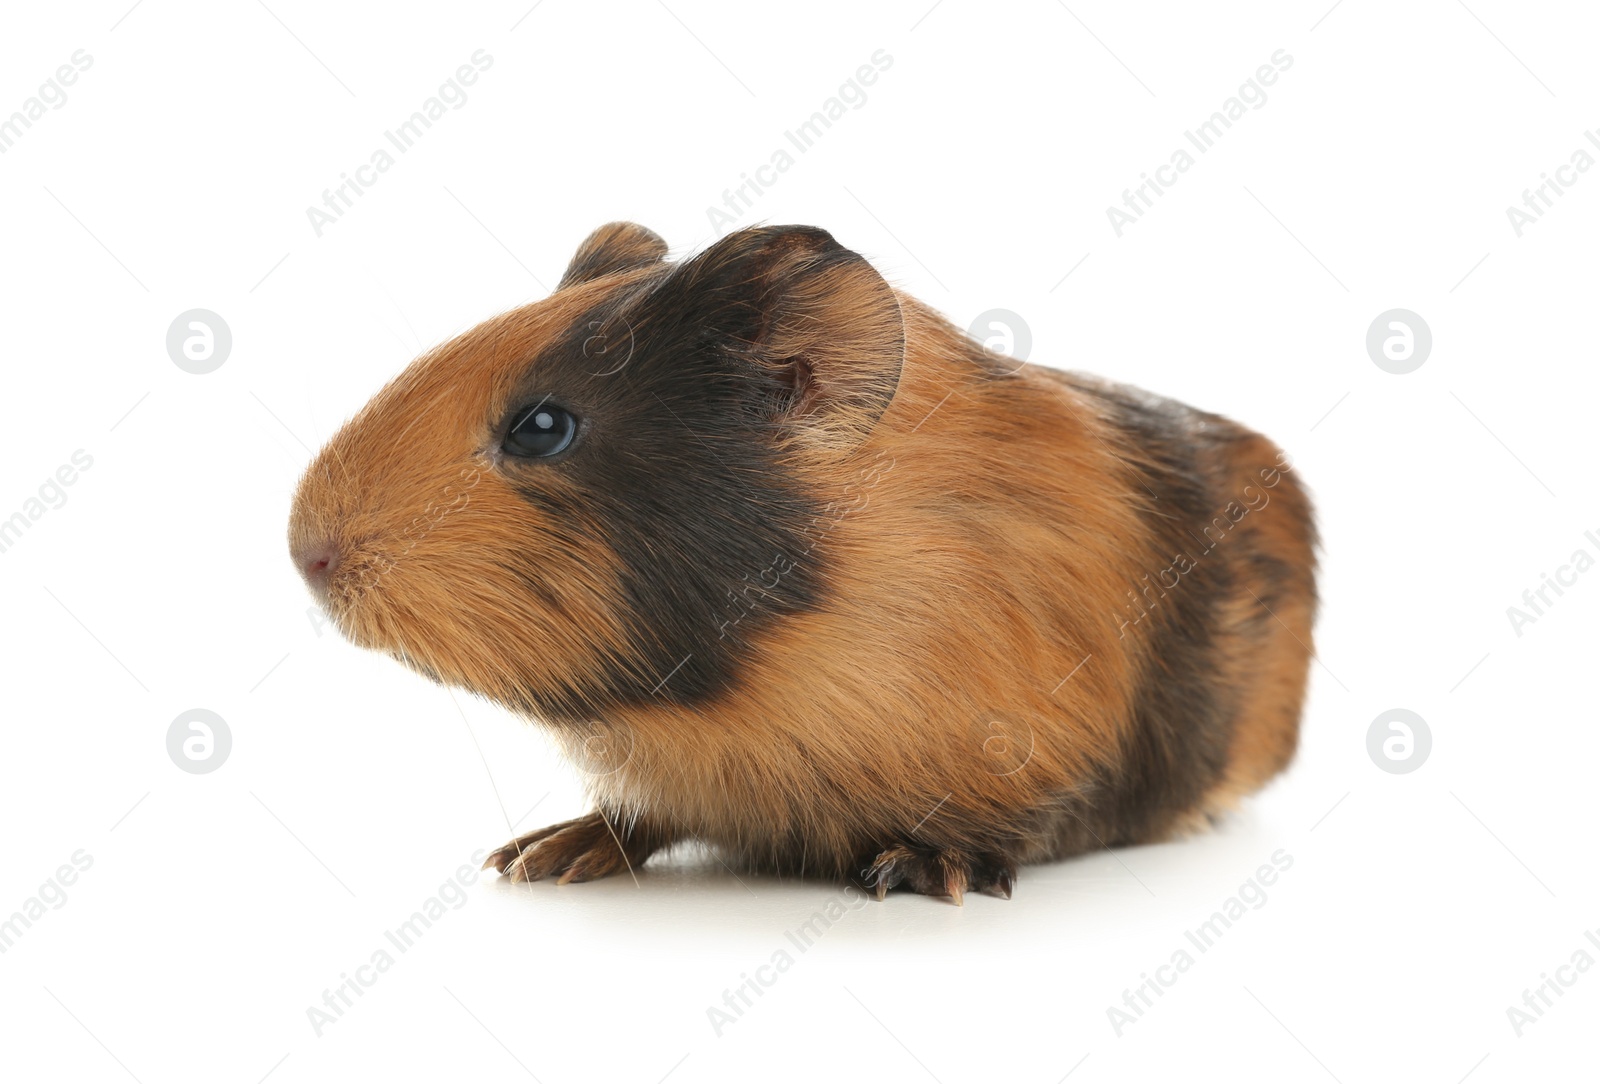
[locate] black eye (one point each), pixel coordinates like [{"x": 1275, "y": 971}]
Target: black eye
[{"x": 541, "y": 430}]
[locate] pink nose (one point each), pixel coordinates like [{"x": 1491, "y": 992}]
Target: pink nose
[{"x": 317, "y": 563}]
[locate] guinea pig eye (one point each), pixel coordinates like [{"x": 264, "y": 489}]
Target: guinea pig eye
[{"x": 541, "y": 430}]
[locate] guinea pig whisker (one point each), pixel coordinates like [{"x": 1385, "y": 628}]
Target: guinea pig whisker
[{"x": 620, "y": 848}]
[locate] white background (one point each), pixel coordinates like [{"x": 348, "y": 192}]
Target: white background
[{"x": 977, "y": 174}]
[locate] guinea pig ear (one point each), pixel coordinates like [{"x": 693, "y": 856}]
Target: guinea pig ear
[
  {"x": 616, "y": 246},
  {"x": 808, "y": 312}
]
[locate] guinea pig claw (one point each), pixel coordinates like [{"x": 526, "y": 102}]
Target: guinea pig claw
[
  {"x": 887, "y": 870},
  {"x": 954, "y": 868},
  {"x": 502, "y": 858},
  {"x": 877, "y": 879},
  {"x": 574, "y": 873},
  {"x": 994, "y": 876}
]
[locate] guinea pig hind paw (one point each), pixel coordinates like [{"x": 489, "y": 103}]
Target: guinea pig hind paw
[{"x": 935, "y": 872}]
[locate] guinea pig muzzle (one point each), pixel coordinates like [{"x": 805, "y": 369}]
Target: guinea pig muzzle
[{"x": 317, "y": 560}]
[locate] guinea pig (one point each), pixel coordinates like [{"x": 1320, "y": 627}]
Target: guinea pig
[{"x": 792, "y": 567}]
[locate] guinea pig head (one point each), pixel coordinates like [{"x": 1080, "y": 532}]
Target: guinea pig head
[{"x": 554, "y": 508}]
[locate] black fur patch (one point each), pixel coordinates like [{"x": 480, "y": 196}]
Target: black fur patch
[
  {"x": 676, "y": 470},
  {"x": 1182, "y": 722}
]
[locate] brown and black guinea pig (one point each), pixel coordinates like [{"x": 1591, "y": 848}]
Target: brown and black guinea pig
[{"x": 791, "y": 566}]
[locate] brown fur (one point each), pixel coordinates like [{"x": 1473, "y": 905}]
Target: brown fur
[{"x": 987, "y": 664}]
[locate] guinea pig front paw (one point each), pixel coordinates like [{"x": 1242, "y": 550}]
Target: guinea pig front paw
[
  {"x": 584, "y": 849},
  {"x": 935, "y": 871}
]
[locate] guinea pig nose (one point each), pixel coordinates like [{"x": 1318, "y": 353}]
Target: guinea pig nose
[{"x": 317, "y": 563}]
